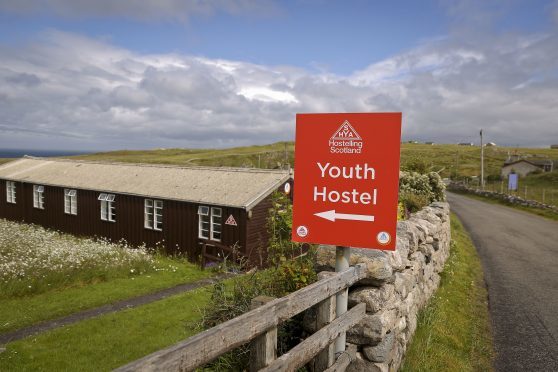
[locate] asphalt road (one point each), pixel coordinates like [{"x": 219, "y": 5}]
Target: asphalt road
[{"x": 519, "y": 254}]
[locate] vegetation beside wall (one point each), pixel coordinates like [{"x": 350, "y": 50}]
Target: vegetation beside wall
[
  {"x": 418, "y": 190},
  {"x": 453, "y": 332},
  {"x": 291, "y": 268}
]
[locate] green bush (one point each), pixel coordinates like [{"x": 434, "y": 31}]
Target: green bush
[
  {"x": 285, "y": 274},
  {"x": 418, "y": 190}
]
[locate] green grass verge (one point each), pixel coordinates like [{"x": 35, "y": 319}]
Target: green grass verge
[
  {"x": 453, "y": 332},
  {"x": 20, "y": 312},
  {"x": 109, "y": 341},
  {"x": 539, "y": 212}
]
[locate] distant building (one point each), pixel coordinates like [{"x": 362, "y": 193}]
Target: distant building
[
  {"x": 490, "y": 144},
  {"x": 412, "y": 141},
  {"x": 191, "y": 210},
  {"x": 523, "y": 167},
  {"x": 429, "y": 143},
  {"x": 554, "y": 146},
  {"x": 466, "y": 144}
]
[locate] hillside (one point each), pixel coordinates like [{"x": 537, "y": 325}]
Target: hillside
[{"x": 451, "y": 159}]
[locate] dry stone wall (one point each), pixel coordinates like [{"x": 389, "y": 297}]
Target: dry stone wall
[
  {"x": 507, "y": 198},
  {"x": 398, "y": 284}
]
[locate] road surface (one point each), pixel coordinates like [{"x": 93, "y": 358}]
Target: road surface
[{"x": 519, "y": 254}]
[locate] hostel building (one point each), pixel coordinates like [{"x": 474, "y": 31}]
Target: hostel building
[{"x": 183, "y": 208}]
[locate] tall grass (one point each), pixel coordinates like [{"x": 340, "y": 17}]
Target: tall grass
[{"x": 34, "y": 260}]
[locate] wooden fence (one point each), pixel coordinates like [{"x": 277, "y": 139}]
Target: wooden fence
[
  {"x": 212, "y": 251},
  {"x": 259, "y": 326}
]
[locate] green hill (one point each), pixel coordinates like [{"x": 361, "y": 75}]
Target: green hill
[{"x": 451, "y": 160}]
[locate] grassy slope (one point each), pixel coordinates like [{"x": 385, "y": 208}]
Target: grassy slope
[
  {"x": 463, "y": 159},
  {"x": 109, "y": 341},
  {"x": 20, "y": 312},
  {"x": 267, "y": 156},
  {"x": 453, "y": 332}
]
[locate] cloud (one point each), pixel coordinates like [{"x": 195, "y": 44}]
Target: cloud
[
  {"x": 145, "y": 10},
  {"x": 70, "y": 91}
]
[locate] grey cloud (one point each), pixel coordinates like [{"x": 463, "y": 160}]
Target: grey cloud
[
  {"x": 28, "y": 80},
  {"x": 94, "y": 95}
]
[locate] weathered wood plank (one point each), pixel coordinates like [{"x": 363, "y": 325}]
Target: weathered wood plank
[
  {"x": 325, "y": 314},
  {"x": 207, "y": 345},
  {"x": 307, "y": 349},
  {"x": 341, "y": 363},
  {"x": 263, "y": 349}
]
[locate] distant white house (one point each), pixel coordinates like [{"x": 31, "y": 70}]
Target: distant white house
[
  {"x": 490, "y": 144},
  {"x": 523, "y": 167}
]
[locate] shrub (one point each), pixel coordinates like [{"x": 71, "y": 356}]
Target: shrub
[
  {"x": 286, "y": 274},
  {"x": 418, "y": 190}
]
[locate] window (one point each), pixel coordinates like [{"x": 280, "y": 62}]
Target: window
[
  {"x": 11, "y": 192},
  {"x": 153, "y": 214},
  {"x": 209, "y": 223},
  {"x": 38, "y": 197},
  {"x": 70, "y": 201},
  {"x": 108, "y": 208}
]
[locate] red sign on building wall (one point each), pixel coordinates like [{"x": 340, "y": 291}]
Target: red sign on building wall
[{"x": 347, "y": 179}]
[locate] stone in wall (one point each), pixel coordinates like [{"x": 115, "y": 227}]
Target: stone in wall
[{"x": 397, "y": 286}]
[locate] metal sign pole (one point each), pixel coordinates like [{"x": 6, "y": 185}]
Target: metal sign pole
[{"x": 342, "y": 258}]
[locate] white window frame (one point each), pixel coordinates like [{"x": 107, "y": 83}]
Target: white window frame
[
  {"x": 204, "y": 220},
  {"x": 153, "y": 214},
  {"x": 108, "y": 207},
  {"x": 70, "y": 202},
  {"x": 11, "y": 192},
  {"x": 210, "y": 223},
  {"x": 216, "y": 223},
  {"x": 38, "y": 197}
]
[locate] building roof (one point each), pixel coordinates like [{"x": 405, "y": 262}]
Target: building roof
[
  {"x": 233, "y": 187},
  {"x": 538, "y": 162}
]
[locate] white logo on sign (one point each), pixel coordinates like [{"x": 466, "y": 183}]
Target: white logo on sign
[
  {"x": 383, "y": 238},
  {"x": 231, "y": 221},
  {"x": 345, "y": 140},
  {"x": 302, "y": 231}
]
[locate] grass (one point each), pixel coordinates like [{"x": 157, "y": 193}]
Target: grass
[
  {"x": 19, "y": 312},
  {"x": 109, "y": 341},
  {"x": 539, "y": 212},
  {"x": 542, "y": 187},
  {"x": 453, "y": 332},
  {"x": 266, "y": 156},
  {"x": 450, "y": 160},
  {"x": 35, "y": 260},
  {"x": 45, "y": 274}
]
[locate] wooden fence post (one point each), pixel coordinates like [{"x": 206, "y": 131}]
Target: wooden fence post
[
  {"x": 325, "y": 314},
  {"x": 263, "y": 349}
]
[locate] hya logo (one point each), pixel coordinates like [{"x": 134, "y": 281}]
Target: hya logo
[{"x": 345, "y": 140}]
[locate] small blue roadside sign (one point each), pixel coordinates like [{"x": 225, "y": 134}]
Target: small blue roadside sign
[{"x": 512, "y": 181}]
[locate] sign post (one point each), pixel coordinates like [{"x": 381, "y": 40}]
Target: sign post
[
  {"x": 342, "y": 262},
  {"x": 346, "y": 185}
]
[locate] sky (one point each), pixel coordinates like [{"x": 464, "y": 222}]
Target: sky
[{"x": 104, "y": 75}]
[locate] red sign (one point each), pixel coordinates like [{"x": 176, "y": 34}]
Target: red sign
[{"x": 347, "y": 179}]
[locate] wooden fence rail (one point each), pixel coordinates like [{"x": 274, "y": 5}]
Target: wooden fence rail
[{"x": 208, "y": 345}]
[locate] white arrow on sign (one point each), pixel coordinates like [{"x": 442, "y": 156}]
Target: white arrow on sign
[{"x": 332, "y": 216}]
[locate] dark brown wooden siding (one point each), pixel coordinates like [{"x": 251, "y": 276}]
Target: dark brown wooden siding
[{"x": 180, "y": 219}]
